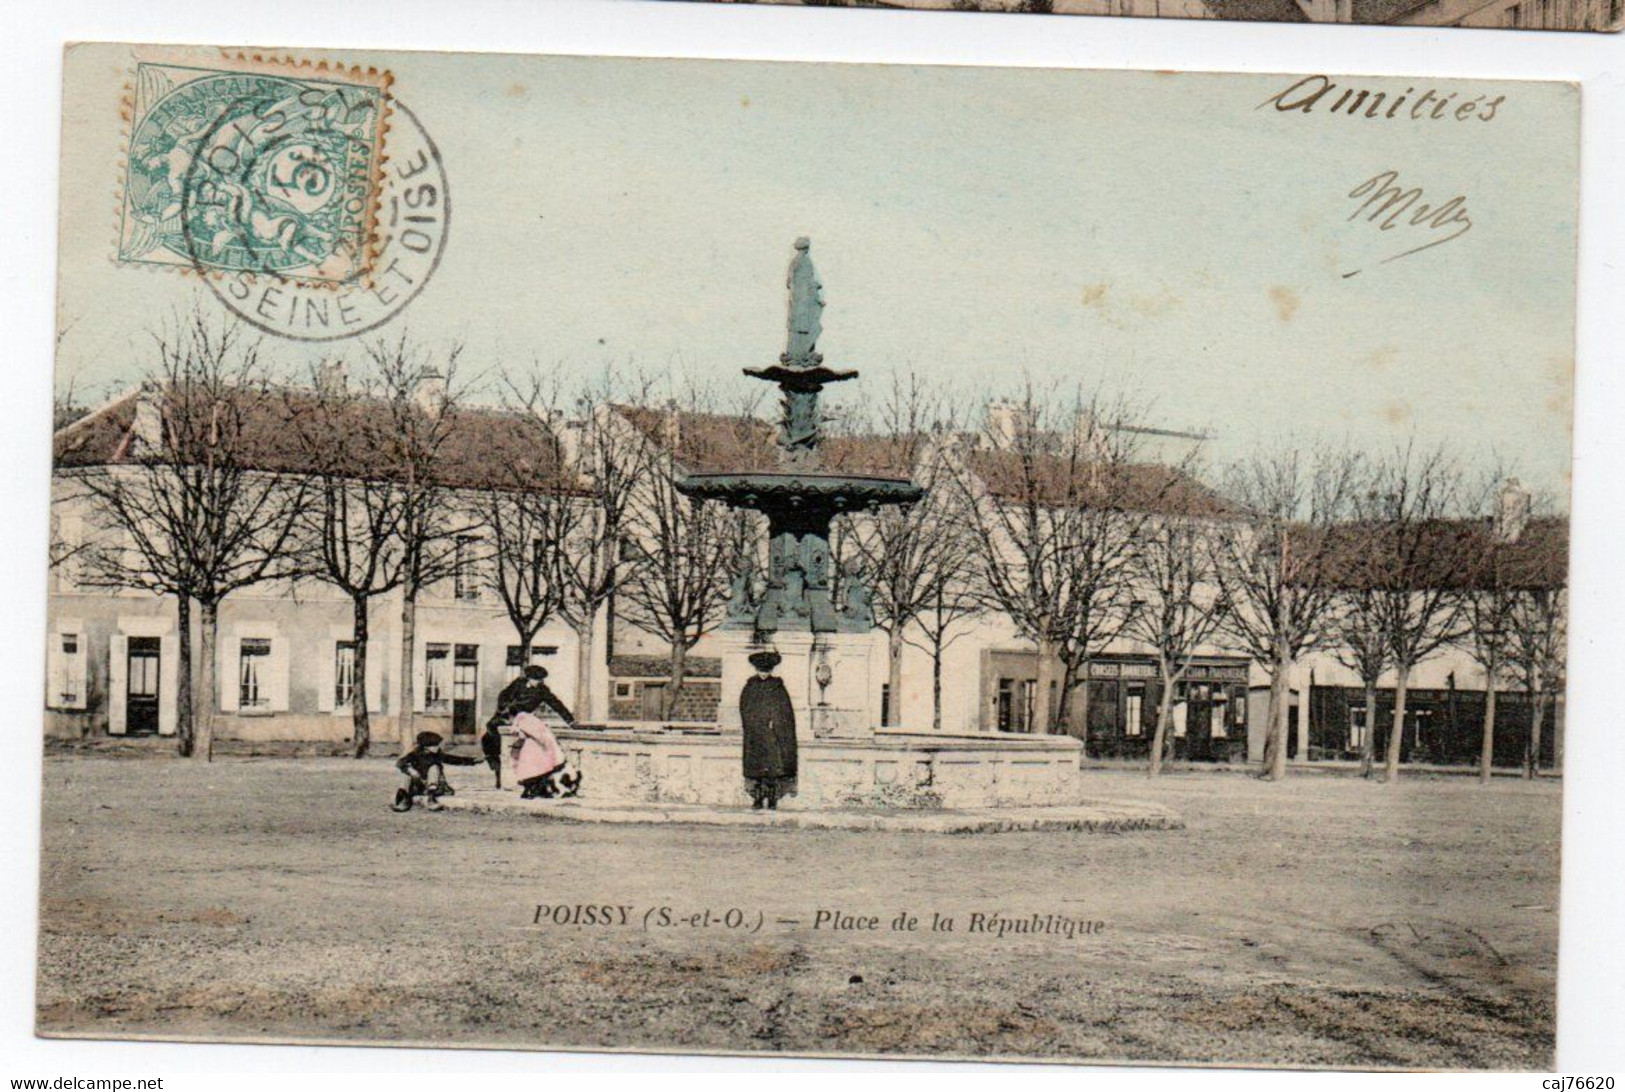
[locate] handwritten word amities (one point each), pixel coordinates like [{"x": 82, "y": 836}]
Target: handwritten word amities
[{"x": 1319, "y": 93}]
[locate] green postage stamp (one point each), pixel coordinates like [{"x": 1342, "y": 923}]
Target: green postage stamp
[{"x": 253, "y": 166}]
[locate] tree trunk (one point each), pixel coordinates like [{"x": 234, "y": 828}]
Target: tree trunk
[
  {"x": 407, "y": 719},
  {"x": 586, "y": 704},
  {"x": 1159, "y": 737},
  {"x": 207, "y": 700},
  {"x": 1537, "y": 716},
  {"x": 1275, "y": 741},
  {"x": 1396, "y": 735},
  {"x": 1070, "y": 679},
  {"x": 361, "y": 731},
  {"x": 1368, "y": 738},
  {"x": 185, "y": 729},
  {"x": 936, "y": 686},
  {"x": 1043, "y": 714},
  {"x": 894, "y": 675},
  {"x": 679, "y": 670},
  {"x": 1557, "y": 735},
  {"x": 1486, "y": 752}
]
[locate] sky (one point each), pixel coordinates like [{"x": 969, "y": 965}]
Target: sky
[{"x": 1163, "y": 235}]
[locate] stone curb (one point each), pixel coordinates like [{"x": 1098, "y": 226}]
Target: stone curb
[{"x": 1095, "y": 817}]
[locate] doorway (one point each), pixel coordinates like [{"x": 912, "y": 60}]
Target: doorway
[
  {"x": 1199, "y": 722},
  {"x": 141, "y": 693}
]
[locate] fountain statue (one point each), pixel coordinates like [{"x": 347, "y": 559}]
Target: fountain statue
[{"x": 796, "y": 613}]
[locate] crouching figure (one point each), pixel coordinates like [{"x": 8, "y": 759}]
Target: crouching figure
[
  {"x": 539, "y": 763},
  {"x": 423, "y": 770}
]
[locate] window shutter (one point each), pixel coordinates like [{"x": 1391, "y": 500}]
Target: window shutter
[
  {"x": 327, "y": 675},
  {"x": 278, "y": 669},
  {"x": 75, "y": 676},
  {"x": 420, "y": 673},
  {"x": 169, "y": 675},
  {"x": 118, "y": 667},
  {"x": 377, "y": 652},
  {"x": 228, "y": 666},
  {"x": 56, "y": 673}
]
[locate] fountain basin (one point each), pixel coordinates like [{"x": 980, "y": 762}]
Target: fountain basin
[{"x": 892, "y": 769}]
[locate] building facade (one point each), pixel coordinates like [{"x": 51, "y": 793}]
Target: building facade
[{"x": 287, "y": 658}]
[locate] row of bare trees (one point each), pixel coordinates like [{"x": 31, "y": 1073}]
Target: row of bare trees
[
  {"x": 1050, "y": 510},
  {"x": 375, "y": 482}
]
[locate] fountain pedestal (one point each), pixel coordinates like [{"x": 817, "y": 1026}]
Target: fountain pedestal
[{"x": 847, "y": 708}]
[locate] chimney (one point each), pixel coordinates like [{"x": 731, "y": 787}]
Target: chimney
[
  {"x": 1511, "y": 511},
  {"x": 429, "y": 393},
  {"x": 332, "y": 379},
  {"x": 1007, "y": 424}
]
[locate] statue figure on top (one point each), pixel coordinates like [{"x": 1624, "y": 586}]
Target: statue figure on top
[{"x": 806, "y": 308}]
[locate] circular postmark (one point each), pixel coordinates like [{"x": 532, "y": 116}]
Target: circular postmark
[{"x": 250, "y": 216}]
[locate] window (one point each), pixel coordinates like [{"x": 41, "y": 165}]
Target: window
[
  {"x": 254, "y": 675},
  {"x": 464, "y": 577},
  {"x": 537, "y": 653},
  {"x": 344, "y": 674},
  {"x": 1357, "y": 727},
  {"x": 623, "y": 690},
  {"x": 1133, "y": 711},
  {"x": 70, "y": 682},
  {"x": 436, "y": 680}
]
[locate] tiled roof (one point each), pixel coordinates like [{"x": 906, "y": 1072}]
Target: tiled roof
[
  {"x": 714, "y": 442},
  {"x": 1449, "y": 553},
  {"x": 483, "y": 447},
  {"x": 1138, "y": 487}
]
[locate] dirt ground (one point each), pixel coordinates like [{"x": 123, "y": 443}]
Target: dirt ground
[{"x": 1324, "y": 921}]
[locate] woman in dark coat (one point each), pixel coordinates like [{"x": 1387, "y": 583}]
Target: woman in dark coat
[{"x": 770, "y": 731}]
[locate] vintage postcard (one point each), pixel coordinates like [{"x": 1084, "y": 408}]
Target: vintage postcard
[
  {"x": 705, "y": 556},
  {"x": 1604, "y": 15}
]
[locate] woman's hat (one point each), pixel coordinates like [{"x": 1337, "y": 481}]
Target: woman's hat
[
  {"x": 429, "y": 739},
  {"x": 766, "y": 660},
  {"x": 535, "y": 671}
]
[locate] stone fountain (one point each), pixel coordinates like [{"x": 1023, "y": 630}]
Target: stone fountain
[
  {"x": 833, "y": 658},
  {"x": 828, "y": 647}
]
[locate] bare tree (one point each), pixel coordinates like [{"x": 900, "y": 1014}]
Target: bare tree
[
  {"x": 604, "y": 462},
  {"x": 682, "y": 553},
  {"x": 1274, "y": 566},
  {"x": 954, "y": 600},
  {"x": 424, "y": 405},
  {"x": 1055, "y": 508},
  {"x": 1539, "y": 635},
  {"x": 195, "y": 508},
  {"x": 909, "y": 556},
  {"x": 525, "y": 520},
  {"x": 1359, "y": 642},
  {"x": 1411, "y": 565},
  {"x": 1179, "y": 610},
  {"x": 1491, "y": 601},
  {"x": 351, "y": 535}
]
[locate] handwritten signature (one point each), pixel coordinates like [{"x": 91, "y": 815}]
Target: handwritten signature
[{"x": 1391, "y": 207}]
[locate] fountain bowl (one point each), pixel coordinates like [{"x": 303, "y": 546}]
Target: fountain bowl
[{"x": 792, "y": 489}]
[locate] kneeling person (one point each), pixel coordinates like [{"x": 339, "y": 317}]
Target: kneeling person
[{"x": 415, "y": 766}]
